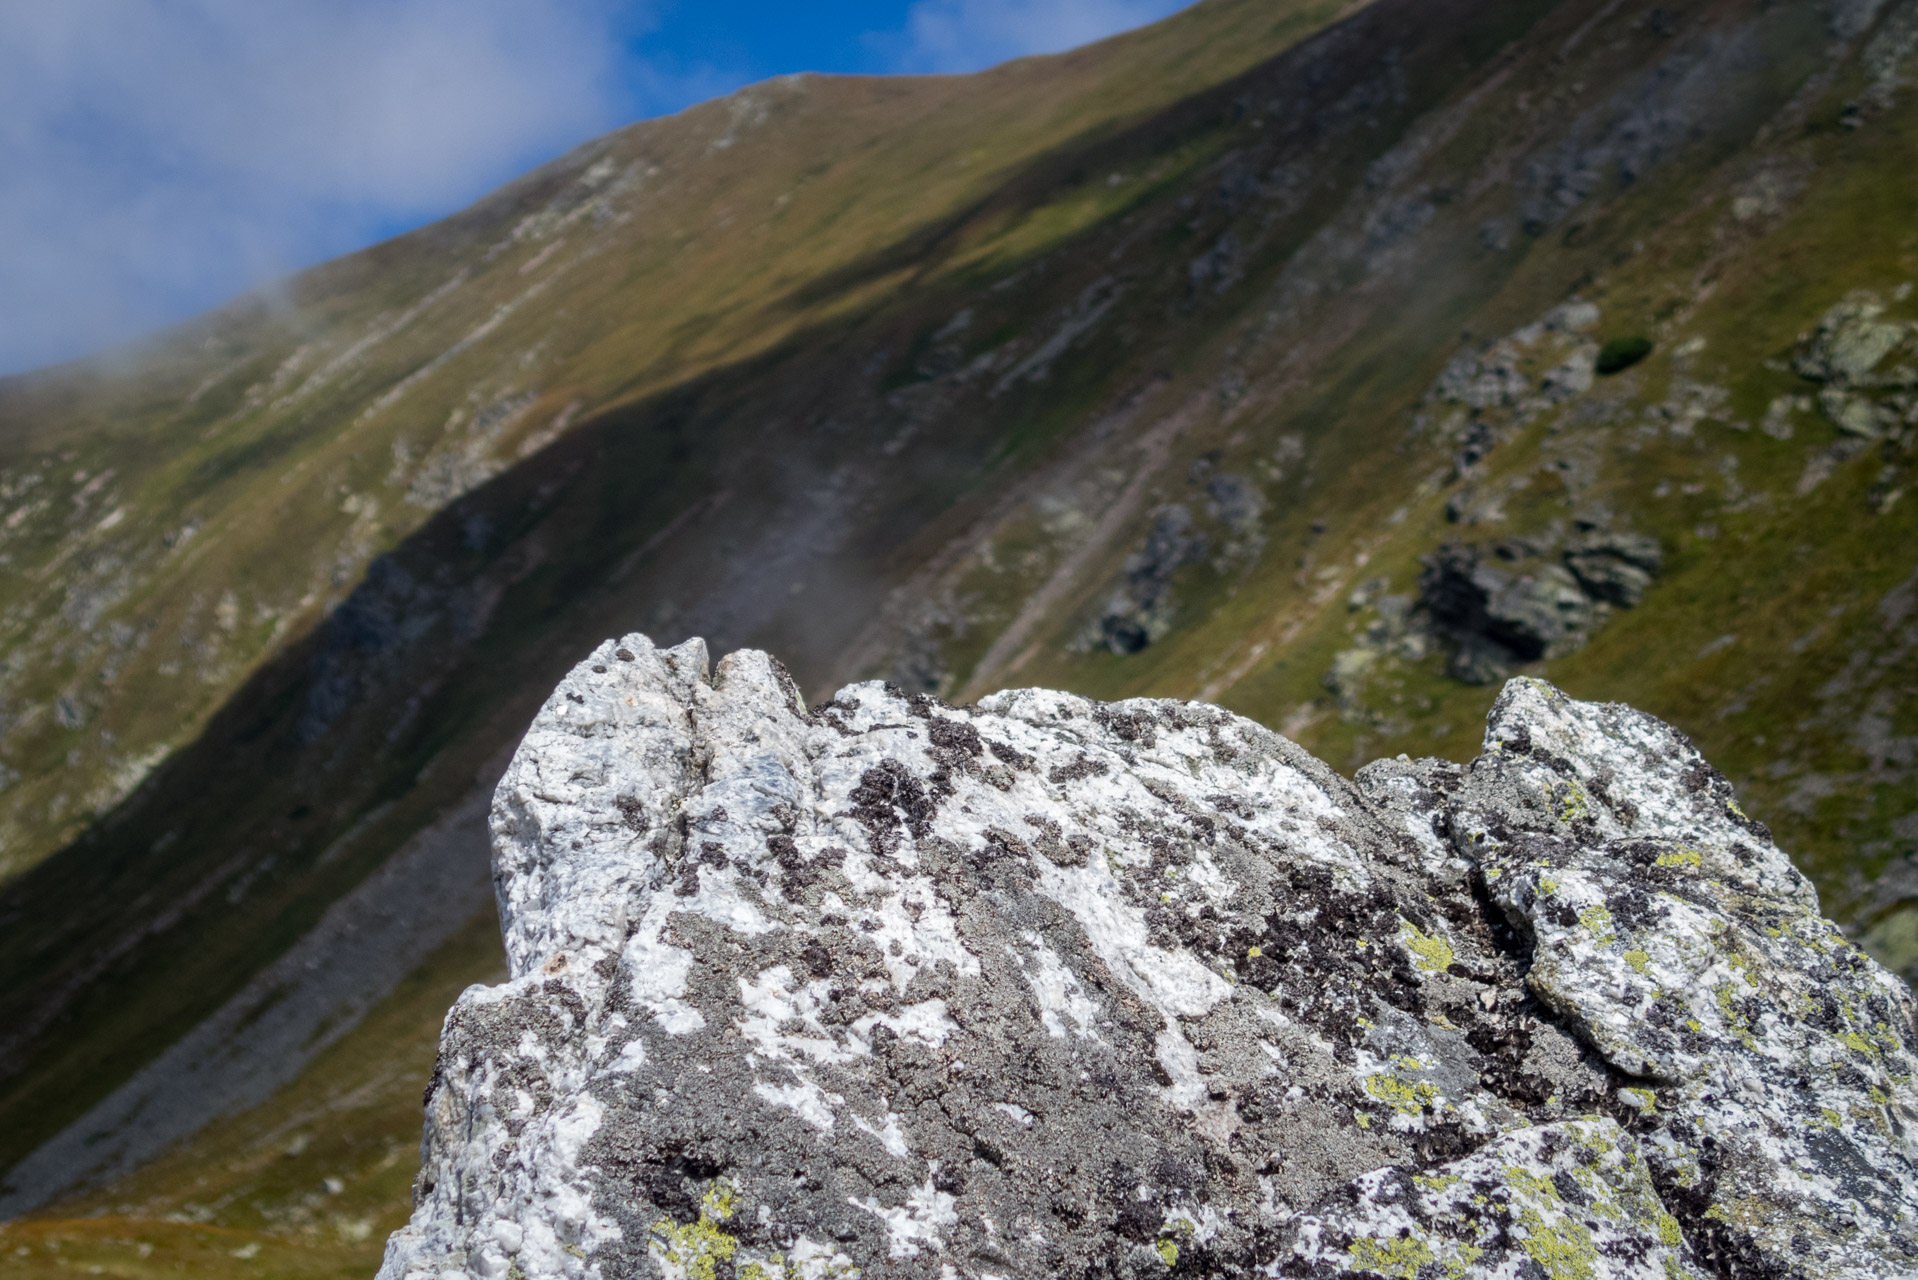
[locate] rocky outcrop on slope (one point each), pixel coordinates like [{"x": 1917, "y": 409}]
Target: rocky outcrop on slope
[
  {"x": 1867, "y": 366},
  {"x": 1050, "y": 987},
  {"x": 1499, "y": 605}
]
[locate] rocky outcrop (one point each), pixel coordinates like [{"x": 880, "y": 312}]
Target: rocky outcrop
[
  {"x": 1496, "y": 606},
  {"x": 1866, "y": 365},
  {"x": 1140, "y": 612},
  {"x": 1051, "y": 987}
]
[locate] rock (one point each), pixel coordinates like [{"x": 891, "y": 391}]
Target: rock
[
  {"x": 1506, "y": 603},
  {"x": 1141, "y": 611},
  {"x": 1855, "y": 350},
  {"x": 1855, "y": 415},
  {"x": 1852, "y": 343},
  {"x": 1236, "y": 501},
  {"x": 1049, "y": 987},
  {"x": 1394, "y": 632},
  {"x": 1615, "y": 567},
  {"x": 1476, "y": 659},
  {"x": 1537, "y": 615},
  {"x": 1496, "y": 615}
]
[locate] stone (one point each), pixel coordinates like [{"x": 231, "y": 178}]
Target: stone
[
  {"x": 1541, "y": 614},
  {"x": 1536, "y": 609},
  {"x": 1053, "y": 987},
  {"x": 1141, "y": 611},
  {"x": 1615, "y": 567},
  {"x": 1855, "y": 350},
  {"x": 1476, "y": 659},
  {"x": 1235, "y": 500},
  {"x": 1501, "y": 604},
  {"x": 1852, "y": 343},
  {"x": 1854, "y": 414}
]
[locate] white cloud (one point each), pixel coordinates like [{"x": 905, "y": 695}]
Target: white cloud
[
  {"x": 965, "y": 35},
  {"x": 159, "y": 156},
  {"x": 163, "y": 154}
]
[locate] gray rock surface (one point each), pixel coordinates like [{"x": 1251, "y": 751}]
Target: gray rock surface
[{"x": 1045, "y": 987}]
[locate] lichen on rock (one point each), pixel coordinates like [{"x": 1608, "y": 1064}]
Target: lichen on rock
[{"x": 1052, "y": 987}]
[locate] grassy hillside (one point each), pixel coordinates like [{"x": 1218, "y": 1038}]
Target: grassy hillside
[
  {"x": 511, "y": 406},
  {"x": 1165, "y": 367}
]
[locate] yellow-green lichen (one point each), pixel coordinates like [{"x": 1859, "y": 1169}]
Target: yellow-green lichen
[
  {"x": 774, "y": 1267},
  {"x": 1568, "y": 800},
  {"x": 1639, "y": 960},
  {"x": 1525, "y": 1182},
  {"x": 1168, "y": 1252},
  {"x": 1681, "y": 858},
  {"x": 1667, "y": 1228},
  {"x": 1564, "y": 1250},
  {"x": 1407, "y": 1099},
  {"x": 1597, "y": 920},
  {"x": 1644, "y": 1099},
  {"x": 1852, "y": 1040},
  {"x": 1433, "y": 955},
  {"x": 695, "y": 1250},
  {"x": 1593, "y": 1139},
  {"x": 1723, "y": 993},
  {"x": 1401, "y": 1257}
]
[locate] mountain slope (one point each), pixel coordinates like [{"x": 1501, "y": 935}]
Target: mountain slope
[
  {"x": 1168, "y": 366},
  {"x": 284, "y": 446}
]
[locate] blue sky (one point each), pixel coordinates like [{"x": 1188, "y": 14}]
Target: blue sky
[{"x": 163, "y": 155}]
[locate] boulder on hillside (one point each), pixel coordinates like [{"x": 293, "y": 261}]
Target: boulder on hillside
[
  {"x": 1858, "y": 355},
  {"x": 1045, "y": 987},
  {"x": 1140, "y": 612},
  {"x": 1500, "y": 604},
  {"x": 1503, "y": 604},
  {"x": 1615, "y": 567}
]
